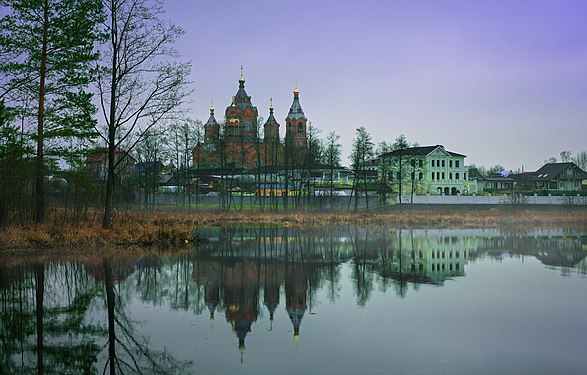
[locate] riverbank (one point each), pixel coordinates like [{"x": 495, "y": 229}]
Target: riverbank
[{"x": 134, "y": 228}]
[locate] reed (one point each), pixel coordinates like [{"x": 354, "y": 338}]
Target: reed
[{"x": 138, "y": 228}]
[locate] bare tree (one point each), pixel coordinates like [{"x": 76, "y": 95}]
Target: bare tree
[
  {"x": 332, "y": 151},
  {"x": 361, "y": 153},
  {"x": 581, "y": 160},
  {"x": 141, "y": 85}
]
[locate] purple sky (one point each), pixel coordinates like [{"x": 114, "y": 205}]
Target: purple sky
[{"x": 503, "y": 82}]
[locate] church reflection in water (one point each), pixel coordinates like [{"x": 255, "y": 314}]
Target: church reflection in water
[
  {"x": 242, "y": 274},
  {"x": 242, "y": 270}
]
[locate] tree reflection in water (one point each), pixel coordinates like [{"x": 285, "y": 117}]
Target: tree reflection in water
[{"x": 73, "y": 317}]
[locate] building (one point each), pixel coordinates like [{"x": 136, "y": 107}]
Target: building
[
  {"x": 426, "y": 170},
  {"x": 559, "y": 177},
  {"x": 237, "y": 141},
  {"x": 97, "y": 164}
]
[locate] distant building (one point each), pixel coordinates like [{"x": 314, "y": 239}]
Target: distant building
[
  {"x": 236, "y": 142},
  {"x": 426, "y": 170},
  {"x": 97, "y": 164},
  {"x": 559, "y": 177}
]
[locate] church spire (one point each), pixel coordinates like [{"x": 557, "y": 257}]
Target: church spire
[
  {"x": 295, "y": 111},
  {"x": 241, "y": 80}
]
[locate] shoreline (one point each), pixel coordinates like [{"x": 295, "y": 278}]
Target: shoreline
[{"x": 143, "y": 230}]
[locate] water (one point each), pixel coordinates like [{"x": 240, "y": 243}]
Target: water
[{"x": 273, "y": 300}]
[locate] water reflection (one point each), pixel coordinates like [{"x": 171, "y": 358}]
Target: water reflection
[{"x": 77, "y": 317}]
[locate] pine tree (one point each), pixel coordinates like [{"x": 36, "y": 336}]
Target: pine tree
[{"x": 47, "y": 51}]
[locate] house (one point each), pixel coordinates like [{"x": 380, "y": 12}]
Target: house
[
  {"x": 426, "y": 170},
  {"x": 501, "y": 182},
  {"x": 97, "y": 164},
  {"x": 559, "y": 177}
]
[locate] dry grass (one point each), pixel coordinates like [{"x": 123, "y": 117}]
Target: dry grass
[{"x": 133, "y": 228}]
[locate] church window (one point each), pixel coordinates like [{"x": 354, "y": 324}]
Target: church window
[{"x": 300, "y": 128}]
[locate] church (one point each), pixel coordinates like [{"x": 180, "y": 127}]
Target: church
[{"x": 237, "y": 143}]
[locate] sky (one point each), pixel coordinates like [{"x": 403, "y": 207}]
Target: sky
[{"x": 501, "y": 81}]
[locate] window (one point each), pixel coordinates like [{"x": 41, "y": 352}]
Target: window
[
  {"x": 450, "y": 163},
  {"x": 457, "y": 162},
  {"x": 457, "y": 176},
  {"x": 412, "y": 176},
  {"x": 443, "y": 164},
  {"x": 432, "y": 175},
  {"x": 300, "y": 128},
  {"x": 412, "y": 162},
  {"x": 421, "y": 176},
  {"x": 443, "y": 175},
  {"x": 464, "y": 176},
  {"x": 433, "y": 162},
  {"x": 420, "y": 163},
  {"x": 450, "y": 176}
]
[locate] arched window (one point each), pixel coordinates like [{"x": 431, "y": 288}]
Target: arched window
[
  {"x": 457, "y": 176},
  {"x": 300, "y": 128}
]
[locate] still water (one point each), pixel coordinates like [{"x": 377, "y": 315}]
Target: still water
[{"x": 276, "y": 300}]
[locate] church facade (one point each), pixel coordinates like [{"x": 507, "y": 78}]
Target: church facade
[{"x": 236, "y": 143}]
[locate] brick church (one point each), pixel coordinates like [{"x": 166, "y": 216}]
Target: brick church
[{"x": 237, "y": 142}]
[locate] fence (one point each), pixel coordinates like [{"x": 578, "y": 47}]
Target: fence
[{"x": 317, "y": 203}]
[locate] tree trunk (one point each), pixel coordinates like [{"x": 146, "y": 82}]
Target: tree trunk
[
  {"x": 39, "y": 293},
  {"x": 107, "y": 264},
  {"x": 40, "y": 168},
  {"x": 107, "y": 219}
]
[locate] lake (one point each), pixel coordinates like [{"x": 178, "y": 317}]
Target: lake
[{"x": 342, "y": 300}]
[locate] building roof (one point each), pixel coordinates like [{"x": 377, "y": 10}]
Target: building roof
[
  {"x": 271, "y": 119},
  {"x": 241, "y": 99},
  {"x": 211, "y": 120},
  {"x": 553, "y": 170},
  {"x": 420, "y": 151},
  {"x": 101, "y": 154},
  {"x": 295, "y": 111}
]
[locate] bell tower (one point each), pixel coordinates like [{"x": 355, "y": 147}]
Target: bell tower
[{"x": 296, "y": 130}]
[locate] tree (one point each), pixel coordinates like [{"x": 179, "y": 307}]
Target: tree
[
  {"x": 581, "y": 160},
  {"x": 566, "y": 156},
  {"x": 140, "y": 87},
  {"x": 312, "y": 156},
  {"x": 332, "y": 151},
  {"x": 401, "y": 144},
  {"x": 497, "y": 169},
  {"x": 15, "y": 168},
  {"x": 384, "y": 169},
  {"x": 186, "y": 136},
  {"x": 47, "y": 52},
  {"x": 361, "y": 153}
]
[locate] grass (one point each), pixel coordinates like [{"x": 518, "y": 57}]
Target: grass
[{"x": 141, "y": 229}]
